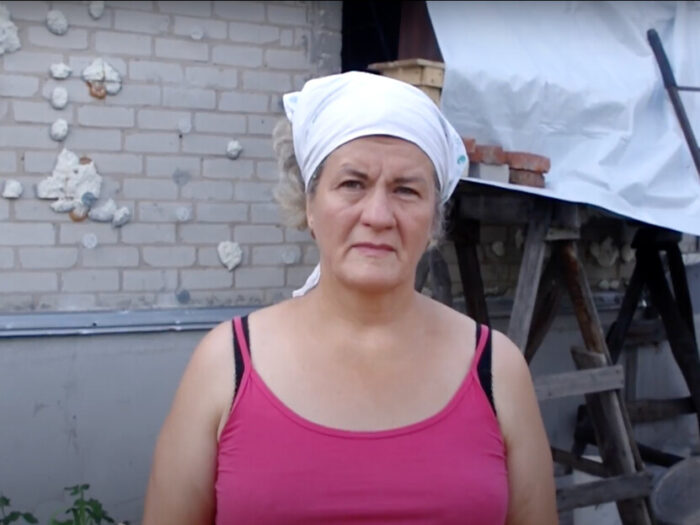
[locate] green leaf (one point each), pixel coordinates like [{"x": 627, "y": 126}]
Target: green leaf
[
  {"x": 85, "y": 486},
  {"x": 13, "y": 516},
  {"x": 29, "y": 517},
  {"x": 4, "y": 502}
]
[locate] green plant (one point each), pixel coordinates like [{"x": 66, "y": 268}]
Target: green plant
[
  {"x": 15, "y": 515},
  {"x": 84, "y": 512}
]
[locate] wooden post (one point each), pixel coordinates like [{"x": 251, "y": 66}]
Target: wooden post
[
  {"x": 546, "y": 306},
  {"x": 529, "y": 276},
  {"x": 466, "y": 237},
  {"x": 440, "y": 277}
]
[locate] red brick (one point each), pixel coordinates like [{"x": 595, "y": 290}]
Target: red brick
[
  {"x": 521, "y": 160},
  {"x": 470, "y": 145},
  {"x": 488, "y": 154},
  {"x": 526, "y": 178}
]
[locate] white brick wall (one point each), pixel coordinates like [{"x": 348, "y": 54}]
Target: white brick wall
[{"x": 160, "y": 145}]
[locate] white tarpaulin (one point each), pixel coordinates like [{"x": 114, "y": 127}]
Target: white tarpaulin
[{"x": 578, "y": 82}]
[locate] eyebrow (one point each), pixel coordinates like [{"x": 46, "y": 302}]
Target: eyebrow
[{"x": 407, "y": 179}]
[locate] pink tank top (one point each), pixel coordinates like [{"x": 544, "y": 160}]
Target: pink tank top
[{"x": 274, "y": 466}]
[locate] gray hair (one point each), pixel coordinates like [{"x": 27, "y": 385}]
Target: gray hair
[{"x": 290, "y": 193}]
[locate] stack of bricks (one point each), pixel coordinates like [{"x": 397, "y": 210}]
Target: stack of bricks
[
  {"x": 489, "y": 162},
  {"x": 216, "y": 70}
]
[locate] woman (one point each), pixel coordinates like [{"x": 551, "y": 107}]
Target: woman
[{"x": 360, "y": 400}]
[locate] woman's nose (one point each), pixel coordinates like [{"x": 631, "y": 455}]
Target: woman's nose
[{"x": 377, "y": 211}]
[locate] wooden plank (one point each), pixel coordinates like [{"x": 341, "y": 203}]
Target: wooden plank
[
  {"x": 465, "y": 235},
  {"x": 529, "y": 277},
  {"x": 613, "y": 432},
  {"x": 629, "y": 488},
  {"x": 680, "y": 287},
  {"x": 546, "y": 306},
  {"x": 651, "y": 410},
  {"x": 618, "y": 330},
  {"x": 567, "y": 384},
  {"x": 422, "y": 272},
  {"x": 508, "y": 210},
  {"x": 564, "y": 457}
]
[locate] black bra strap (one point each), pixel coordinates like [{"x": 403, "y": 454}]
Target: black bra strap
[
  {"x": 484, "y": 368},
  {"x": 237, "y": 357}
]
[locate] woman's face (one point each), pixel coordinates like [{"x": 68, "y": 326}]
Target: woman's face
[{"x": 372, "y": 212}]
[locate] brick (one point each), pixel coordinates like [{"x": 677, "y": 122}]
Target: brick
[
  {"x": 131, "y": 4},
  {"x": 286, "y": 59},
  {"x": 126, "y": 301},
  {"x": 38, "y": 112},
  {"x": 110, "y": 257},
  {"x": 78, "y": 16},
  {"x": 297, "y": 275},
  {"x": 521, "y": 160},
  {"x": 106, "y": 117},
  {"x": 35, "y": 210},
  {"x": 226, "y": 213},
  {"x": 209, "y": 190},
  {"x": 262, "y": 124},
  {"x": 267, "y": 81},
  {"x": 212, "y": 29},
  {"x": 206, "y": 279},
  {"x": 237, "y": 56},
  {"x": 243, "y": 102},
  {"x": 488, "y": 154},
  {"x": 217, "y": 77},
  {"x": 155, "y": 71},
  {"x": 172, "y": 256},
  {"x": 189, "y": 98},
  {"x": 166, "y": 166},
  {"x": 4, "y": 108},
  {"x": 204, "y": 233},
  {"x": 286, "y": 15},
  {"x": 294, "y": 235},
  {"x": 526, "y": 178},
  {"x": 78, "y": 63},
  {"x": 253, "y": 33},
  {"x": 42, "y": 258},
  {"x": 17, "y": 302},
  {"x": 141, "y": 22},
  {"x": 28, "y": 282},
  {"x": 276, "y": 255},
  {"x": 248, "y": 11},
  {"x": 287, "y": 38},
  {"x": 135, "y": 95},
  {"x": 207, "y": 257},
  {"x": 30, "y": 62},
  {"x": 267, "y": 170},
  {"x": 249, "y": 234},
  {"x": 260, "y": 148},
  {"x": 149, "y": 234},
  {"x": 149, "y": 189},
  {"x": 7, "y": 258},
  {"x": 152, "y": 142},
  {"x": 67, "y": 302},
  {"x": 18, "y": 86},
  {"x": 469, "y": 145},
  {"x": 265, "y": 214},
  {"x": 149, "y": 280},
  {"x": 259, "y": 277},
  {"x": 85, "y": 141},
  {"x": 73, "y": 233},
  {"x": 227, "y": 298},
  {"x": 122, "y": 43},
  {"x": 200, "y": 8},
  {"x": 27, "y": 235},
  {"x": 181, "y": 50},
  {"x": 90, "y": 281},
  {"x": 329, "y": 14},
  {"x": 253, "y": 191},
  {"x": 228, "y": 169},
  {"x": 217, "y": 123},
  {"x": 312, "y": 256},
  {"x": 29, "y": 10},
  {"x": 161, "y": 211},
  {"x": 162, "y": 119},
  {"x": 4, "y": 210},
  {"x": 8, "y": 162},
  {"x": 73, "y": 39},
  {"x": 117, "y": 163},
  {"x": 329, "y": 44},
  {"x": 76, "y": 88},
  {"x": 205, "y": 144}
]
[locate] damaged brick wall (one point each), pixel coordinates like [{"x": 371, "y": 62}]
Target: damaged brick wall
[{"x": 198, "y": 78}]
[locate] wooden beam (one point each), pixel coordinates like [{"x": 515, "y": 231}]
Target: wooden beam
[
  {"x": 564, "y": 457},
  {"x": 651, "y": 410},
  {"x": 529, "y": 276},
  {"x": 630, "y": 488},
  {"x": 440, "y": 281},
  {"x": 567, "y": 384},
  {"x": 618, "y": 330},
  {"x": 546, "y": 306}
]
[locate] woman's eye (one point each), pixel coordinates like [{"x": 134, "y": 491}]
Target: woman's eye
[
  {"x": 406, "y": 190},
  {"x": 351, "y": 184}
]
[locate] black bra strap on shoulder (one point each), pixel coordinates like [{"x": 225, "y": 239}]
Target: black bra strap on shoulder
[
  {"x": 484, "y": 368},
  {"x": 237, "y": 356}
]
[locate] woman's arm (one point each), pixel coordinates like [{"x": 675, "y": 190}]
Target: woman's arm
[
  {"x": 532, "y": 498},
  {"x": 181, "y": 485}
]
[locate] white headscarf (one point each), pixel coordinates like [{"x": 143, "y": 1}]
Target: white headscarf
[{"x": 333, "y": 110}]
